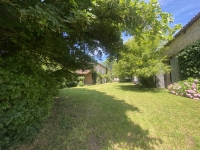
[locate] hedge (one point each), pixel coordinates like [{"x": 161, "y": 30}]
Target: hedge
[{"x": 25, "y": 101}]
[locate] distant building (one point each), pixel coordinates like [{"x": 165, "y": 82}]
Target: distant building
[{"x": 99, "y": 68}]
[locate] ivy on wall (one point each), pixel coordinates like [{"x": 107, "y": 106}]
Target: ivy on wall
[{"x": 189, "y": 61}]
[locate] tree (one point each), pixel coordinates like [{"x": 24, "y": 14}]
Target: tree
[
  {"x": 140, "y": 59},
  {"x": 109, "y": 64},
  {"x": 42, "y": 41},
  {"x": 69, "y": 30},
  {"x": 144, "y": 57}
]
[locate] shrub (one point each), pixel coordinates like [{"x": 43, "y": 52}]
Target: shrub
[
  {"x": 71, "y": 83},
  {"x": 110, "y": 77},
  {"x": 80, "y": 83},
  {"x": 68, "y": 83},
  {"x": 25, "y": 101},
  {"x": 94, "y": 77},
  {"x": 99, "y": 78},
  {"x": 188, "y": 88},
  {"x": 81, "y": 78},
  {"x": 147, "y": 81}
]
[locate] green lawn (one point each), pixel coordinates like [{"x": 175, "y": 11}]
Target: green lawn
[{"x": 120, "y": 116}]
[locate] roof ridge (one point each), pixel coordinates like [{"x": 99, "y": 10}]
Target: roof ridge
[
  {"x": 184, "y": 28},
  {"x": 195, "y": 18}
]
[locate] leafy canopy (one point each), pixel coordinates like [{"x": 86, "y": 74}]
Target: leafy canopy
[
  {"x": 64, "y": 32},
  {"x": 144, "y": 56}
]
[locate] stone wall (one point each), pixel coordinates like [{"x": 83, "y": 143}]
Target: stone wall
[
  {"x": 88, "y": 78},
  {"x": 100, "y": 69},
  {"x": 187, "y": 37}
]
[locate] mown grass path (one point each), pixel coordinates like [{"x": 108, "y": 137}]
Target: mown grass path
[{"x": 120, "y": 116}]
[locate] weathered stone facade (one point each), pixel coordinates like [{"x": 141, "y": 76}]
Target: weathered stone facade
[
  {"x": 189, "y": 34},
  {"x": 100, "y": 69},
  {"x": 186, "y": 37},
  {"x": 88, "y": 73},
  {"x": 88, "y": 78}
]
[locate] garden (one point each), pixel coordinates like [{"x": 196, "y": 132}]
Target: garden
[{"x": 188, "y": 88}]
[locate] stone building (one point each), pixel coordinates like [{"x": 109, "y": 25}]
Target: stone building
[
  {"x": 189, "y": 34},
  {"x": 88, "y": 73}
]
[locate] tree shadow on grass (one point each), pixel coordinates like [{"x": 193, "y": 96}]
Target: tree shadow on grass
[
  {"x": 139, "y": 88},
  {"x": 92, "y": 120}
]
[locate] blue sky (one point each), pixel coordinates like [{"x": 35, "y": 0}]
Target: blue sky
[{"x": 183, "y": 10}]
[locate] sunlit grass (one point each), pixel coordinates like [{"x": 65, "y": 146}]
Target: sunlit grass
[{"x": 120, "y": 116}]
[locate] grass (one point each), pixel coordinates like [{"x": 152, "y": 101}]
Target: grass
[{"x": 120, "y": 116}]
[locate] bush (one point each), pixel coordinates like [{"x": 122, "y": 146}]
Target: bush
[
  {"x": 99, "y": 78},
  {"x": 94, "y": 77},
  {"x": 81, "y": 78},
  {"x": 68, "y": 83},
  {"x": 147, "y": 81},
  {"x": 188, "y": 88},
  {"x": 80, "y": 83},
  {"x": 25, "y": 101},
  {"x": 71, "y": 84}
]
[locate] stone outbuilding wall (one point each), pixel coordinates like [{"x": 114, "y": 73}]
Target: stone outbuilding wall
[
  {"x": 100, "y": 69},
  {"x": 186, "y": 37},
  {"x": 189, "y": 34}
]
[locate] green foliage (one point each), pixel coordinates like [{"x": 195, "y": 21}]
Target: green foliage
[
  {"x": 94, "y": 77},
  {"x": 109, "y": 77},
  {"x": 141, "y": 58},
  {"x": 188, "y": 88},
  {"x": 147, "y": 81},
  {"x": 99, "y": 78},
  {"x": 81, "y": 78},
  {"x": 66, "y": 30},
  {"x": 69, "y": 83},
  {"x": 109, "y": 63},
  {"x": 189, "y": 62},
  {"x": 25, "y": 101},
  {"x": 80, "y": 83}
]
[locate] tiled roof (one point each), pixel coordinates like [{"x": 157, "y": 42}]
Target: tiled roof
[
  {"x": 195, "y": 18},
  {"x": 83, "y": 72},
  {"x": 102, "y": 65}
]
